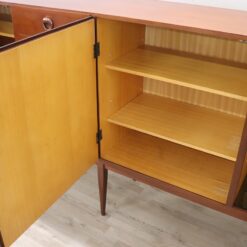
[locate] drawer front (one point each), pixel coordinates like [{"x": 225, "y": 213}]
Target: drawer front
[{"x": 28, "y": 21}]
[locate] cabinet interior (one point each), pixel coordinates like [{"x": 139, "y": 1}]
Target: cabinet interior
[
  {"x": 6, "y": 26},
  {"x": 172, "y": 106}
]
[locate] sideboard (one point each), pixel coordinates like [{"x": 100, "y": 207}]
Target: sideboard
[{"x": 160, "y": 98}]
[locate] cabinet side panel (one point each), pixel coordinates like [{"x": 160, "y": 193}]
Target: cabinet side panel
[
  {"x": 200, "y": 45},
  {"x": 243, "y": 174},
  {"x": 47, "y": 123},
  {"x": 116, "y": 89},
  {"x": 239, "y": 172}
]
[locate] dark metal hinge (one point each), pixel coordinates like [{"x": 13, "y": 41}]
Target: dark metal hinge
[
  {"x": 99, "y": 136},
  {"x": 96, "y": 49}
]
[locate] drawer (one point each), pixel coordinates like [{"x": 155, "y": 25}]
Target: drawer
[{"x": 28, "y": 21}]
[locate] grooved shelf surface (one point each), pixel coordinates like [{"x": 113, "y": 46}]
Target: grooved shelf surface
[
  {"x": 182, "y": 123},
  {"x": 203, "y": 75},
  {"x": 186, "y": 168},
  {"x": 6, "y": 29}
]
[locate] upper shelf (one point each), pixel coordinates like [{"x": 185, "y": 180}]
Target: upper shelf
[
  {"x": 6, "y": 29},
  {"x": 201, "y": 19},
  {"x": 192, "y": 126},
  {"x": 203, "y": 75}
]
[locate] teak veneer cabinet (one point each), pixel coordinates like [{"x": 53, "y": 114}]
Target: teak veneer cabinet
[{"x": 79, "y": 94}]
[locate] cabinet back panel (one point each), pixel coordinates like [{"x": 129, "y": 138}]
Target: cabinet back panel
[
  {"x": 47, "y": 123},
  {"x": 196, "y": 97},
  {"x": 199, "y": 45}
]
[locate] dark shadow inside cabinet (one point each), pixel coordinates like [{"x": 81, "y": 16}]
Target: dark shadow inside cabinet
[
  {"x": 6, "y": 26},
  {"x": 242, "y": 197}
]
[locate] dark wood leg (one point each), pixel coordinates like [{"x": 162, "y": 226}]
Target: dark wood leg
[
  {"x": 102, "y": 180},
  {"x": 1, "y": 240}
]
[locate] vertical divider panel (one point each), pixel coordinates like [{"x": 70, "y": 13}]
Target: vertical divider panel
[{"x": 116, "y": 89}]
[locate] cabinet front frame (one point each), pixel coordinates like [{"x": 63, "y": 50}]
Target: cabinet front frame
[{"x": 105, "y": 164}]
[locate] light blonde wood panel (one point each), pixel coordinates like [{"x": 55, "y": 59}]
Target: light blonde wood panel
[
  {"x": 6, "y": 29},
  {"x": 197, "y": 44},
  {"x": 200, "y": 45},
  {"x": 192, "y": 126},
  {"x": 47, "y": 123},
  {"x": 196, "y": 97},
  {"x": 116, "y": 89},
  {"x": 193, "y": 73},
  {"x": 186, "y": 168}
]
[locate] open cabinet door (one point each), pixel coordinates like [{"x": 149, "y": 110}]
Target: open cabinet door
[{"x": 48, "y": 122}]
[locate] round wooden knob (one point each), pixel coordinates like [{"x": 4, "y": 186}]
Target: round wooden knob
[{"x": 48, "y": 23}]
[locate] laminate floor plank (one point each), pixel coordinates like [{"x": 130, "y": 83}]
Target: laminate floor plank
[{"x": 137, "y": 215}]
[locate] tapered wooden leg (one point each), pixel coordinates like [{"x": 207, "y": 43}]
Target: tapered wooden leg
[
  {"x": 1, "y": 240},
  {"x": 102, "y": 180}
]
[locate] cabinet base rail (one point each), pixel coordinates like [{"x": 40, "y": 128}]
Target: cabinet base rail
[{"x": 104, "y": 166}]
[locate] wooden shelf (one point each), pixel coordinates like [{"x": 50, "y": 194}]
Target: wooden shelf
[
  {"x": 189, "y": 125},
  {"x": 198, "y": 172},
  {"x": 203, "y": 75},
  {"x": 6, "y": 29}
]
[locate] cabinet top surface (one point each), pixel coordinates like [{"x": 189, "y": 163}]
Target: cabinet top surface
[{"x": 208, "y": 20}]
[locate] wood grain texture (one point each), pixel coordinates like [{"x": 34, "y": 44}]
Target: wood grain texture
[
  {"x": 196, "y": 97},
  {"x": 192, "y": 126},
  {"x": 199, "y": 44},
  {"x": 48, "y": 123},
  {"x": 27, "y": 20},
  {"x": 183, "y": 167},
  {"x": 209, "y": 20},
  {"x": 6, "y": 29},
  {"x": 116, "y": 89},
  {"x": 196, "y": 44},
  {"x": 206, "y": 76}
]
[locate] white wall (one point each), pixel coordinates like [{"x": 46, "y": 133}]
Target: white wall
[{"x": 230, "y": 4}]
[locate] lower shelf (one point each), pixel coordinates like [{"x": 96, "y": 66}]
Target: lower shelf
[{"x": 192, "y": 170}]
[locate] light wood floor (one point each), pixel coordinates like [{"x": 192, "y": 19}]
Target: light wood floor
[{"x": 138, "y": 216}]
